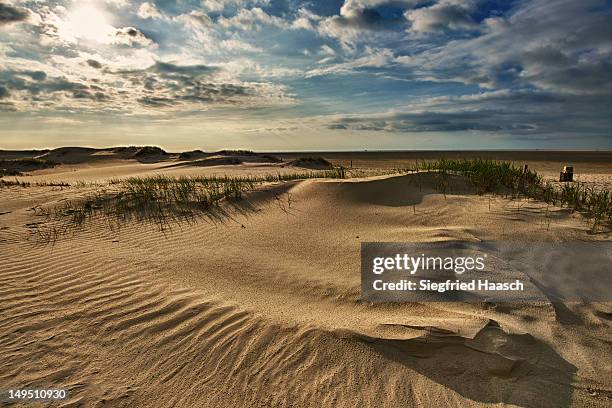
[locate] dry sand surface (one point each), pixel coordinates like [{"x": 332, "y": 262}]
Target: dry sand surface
[{"x": 259, "y": 305}]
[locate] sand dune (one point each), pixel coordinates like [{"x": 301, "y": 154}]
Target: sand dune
[{"x": 260, "y": 306}]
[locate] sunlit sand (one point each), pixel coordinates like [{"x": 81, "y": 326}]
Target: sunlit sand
[{"x": 257, "y": 303}]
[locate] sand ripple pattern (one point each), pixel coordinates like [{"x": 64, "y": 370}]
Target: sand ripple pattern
[{"x": 116, "y": 318}]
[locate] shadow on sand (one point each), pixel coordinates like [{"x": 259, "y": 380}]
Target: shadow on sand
[{"x": 494, "y": 367}]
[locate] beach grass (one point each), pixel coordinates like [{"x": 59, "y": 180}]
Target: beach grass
[
  {"x": 4, "y": 183},
  {"x": 491, "y": 176},
  {"x": 161, "y": 199}
]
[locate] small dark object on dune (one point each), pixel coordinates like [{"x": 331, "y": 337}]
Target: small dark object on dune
[{"x": 567, "y": 174}]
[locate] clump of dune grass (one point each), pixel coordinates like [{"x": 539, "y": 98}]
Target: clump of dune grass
[
  {"x": 159, "y": 199},
  {"x": 18, "y": 183},
  {"x": 490, "y": 176},
  {"x": 12, "y": 183},
  {"x": 162, "y": 200}
]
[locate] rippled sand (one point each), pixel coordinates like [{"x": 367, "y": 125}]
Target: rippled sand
[{"x": 259, "y": 304}]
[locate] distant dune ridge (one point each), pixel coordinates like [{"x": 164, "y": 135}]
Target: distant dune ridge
[
  {"x": 259, "y": 304},
  {"x": 144, "y": 154}
]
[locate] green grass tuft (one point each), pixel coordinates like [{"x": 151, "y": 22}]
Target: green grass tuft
[
  {"x": 489, "y": 176},
  {"x": 161, "y": 199}
]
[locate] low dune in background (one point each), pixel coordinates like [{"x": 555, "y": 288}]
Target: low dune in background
[
  {"x": 259, "y": 305},
  {"x": 82, "y": 164}
]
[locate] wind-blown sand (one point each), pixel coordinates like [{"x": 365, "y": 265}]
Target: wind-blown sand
[{"x": 260, "y": 305}]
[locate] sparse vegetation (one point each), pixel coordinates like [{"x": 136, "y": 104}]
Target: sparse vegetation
[
  {"x": 236, "y": 153},
  {"x": 162, "y": 200},
  {"x": 18, "y": 183},
  {"x": 16, "y": 167},
  {"x": 12, "y": 183},
  {"x": 490, "y": 176}
]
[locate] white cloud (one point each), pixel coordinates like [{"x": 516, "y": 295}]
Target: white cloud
[
  {"x": 530, "y": 46},
  {"x": 252, "y": 19},
  {"x": 160, "y": 87},
  {"x": 118, "y": 3},
  {"x": 220, "y": 5},
  {"x": 237, "y": 45},
  {"x": 372, "y": 58},
  {"x": 195, "y": 19},
  {"x": 446, "y": 14},
  {"x": 213, "y": 5},
  {"x": 327, "y": 50},
  {"x": 148, "y": 10}
]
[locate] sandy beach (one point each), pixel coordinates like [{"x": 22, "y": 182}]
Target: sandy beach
[
  {"x": 259, "y": 303},
  {"x": 305, "y": 203}
]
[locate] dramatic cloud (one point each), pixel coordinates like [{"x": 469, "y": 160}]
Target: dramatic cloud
[
  {"x": 360, "y": 19},
  {"x": 506, "y": 70},
  {"x": 561, "y": 46},
  {"x": 165, "y": 86},
  {"x": 510, "y": 112},
  {"x": 11, "y": 14}
]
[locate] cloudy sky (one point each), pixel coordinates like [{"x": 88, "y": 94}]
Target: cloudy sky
[{"x": 306, "y": 75}]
